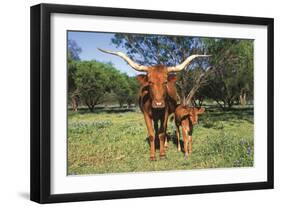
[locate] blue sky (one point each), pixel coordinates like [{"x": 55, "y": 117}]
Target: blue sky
[{"x": 90, "y": 41}]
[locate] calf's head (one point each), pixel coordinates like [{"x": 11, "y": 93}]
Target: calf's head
[
  {"x": 158, "y": 79},
  {"x": 193, "y": 114}
]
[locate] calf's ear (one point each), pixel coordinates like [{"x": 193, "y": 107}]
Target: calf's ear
[
  {"x": 201, "y": 110},
  {"x": 142, "y": 79}
]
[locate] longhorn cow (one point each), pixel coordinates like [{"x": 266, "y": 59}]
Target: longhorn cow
[{"x": 157, "y": 96}]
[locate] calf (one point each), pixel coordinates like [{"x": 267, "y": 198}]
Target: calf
[{"x": 186, "y": 117}]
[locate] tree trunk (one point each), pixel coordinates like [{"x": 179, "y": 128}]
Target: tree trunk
[
  {"x": 91, "y": 107},
  {"x": 229, "y": 103},
  {"x": 194, "y": 88},
  {"x": 243, "y": 100},
  {"x": 194, "y": 104},
  {"x": 183, "y": 100},
  {"x": 120, "y": 104},
  {"x": 220, "y": 105},
  {"x": 74, "y": 102}
]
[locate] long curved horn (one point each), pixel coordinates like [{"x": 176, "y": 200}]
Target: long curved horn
[
  {"x": 134, "y": 65},
  {"x": 185, "y": 63}
]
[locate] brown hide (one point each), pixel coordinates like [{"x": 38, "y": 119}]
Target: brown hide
[
  {"x": 183, "y": 112},
  {"x": 157, "y": 99},
  {"x": 157, "y": 87},
  {"x": 186, "y": 117}
]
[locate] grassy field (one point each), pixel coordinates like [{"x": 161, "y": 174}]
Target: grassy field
[{"x": 113, "y": 142}]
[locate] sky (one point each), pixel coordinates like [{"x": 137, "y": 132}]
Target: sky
[{"x": 90, "y": 41}]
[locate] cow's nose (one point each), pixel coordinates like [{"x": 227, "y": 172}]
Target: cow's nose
[{"x": 158, "y": 104}]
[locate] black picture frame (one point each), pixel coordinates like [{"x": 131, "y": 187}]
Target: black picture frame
[{"x": 41, "y": 99}]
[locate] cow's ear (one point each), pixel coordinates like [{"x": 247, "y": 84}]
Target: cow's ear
[
  {"x": 172, "y": 78},
  {"x": 142, "y": 79},
  {"x": 201, "y": 110}
]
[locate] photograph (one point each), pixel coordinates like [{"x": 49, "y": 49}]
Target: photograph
[{"x": 153, "y": 102}]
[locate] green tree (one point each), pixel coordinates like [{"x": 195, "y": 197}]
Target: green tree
[
  {"x": 233, "y": 74},
  {"x": 121, "y": 89},
  {"x": 73, "y": 51},
  {"x": 73, "y": 92},
  {"x": 124, "y": 87},
  {"x": 133, "y": 91},
  {"x": 92, "y": 82},
  {"x": 193, "y": 82}
]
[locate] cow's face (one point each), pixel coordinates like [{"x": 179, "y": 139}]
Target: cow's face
[
  {"x": 194, "y": 114},
  {"x": 158, "y": 81}
]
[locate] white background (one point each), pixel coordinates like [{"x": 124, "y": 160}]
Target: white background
[{"x": 14, "y": 104}]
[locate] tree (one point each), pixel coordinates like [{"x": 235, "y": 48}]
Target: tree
[
  {"x": 133, "y": 91},
  {"x": 198, "y": 80},
  {"x": 92, "y": 82},
  {"x": 73, "y": 50},
  {"x": 121, "y": 89},
  {"x": 233, "y": 74},
  {"x": 72, "y": 57},
  {"x": 73, "y": 93}
]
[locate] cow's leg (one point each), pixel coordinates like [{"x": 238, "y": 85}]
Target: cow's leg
[
  {"x": 166, "y": 138},
  {"x": 184, "y": 134},
  {"x": 190, "y": 143},
  {"x": 178, "y": 136},
  {"x": 151, "y": 135},
  {"x": 162, "y": 142},
  {"x": 162, "y": 134},
  {"x": 156, "y": 130}
]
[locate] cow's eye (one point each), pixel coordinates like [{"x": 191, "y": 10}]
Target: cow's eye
[
  {"x": 150, "y": 83},
  {"x": 165, "y": 83}
]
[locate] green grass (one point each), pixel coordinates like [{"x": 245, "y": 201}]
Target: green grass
[{"x": 117, "y": 142}]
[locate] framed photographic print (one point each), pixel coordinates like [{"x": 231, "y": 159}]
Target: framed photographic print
[{"x": 132, "y": 103}]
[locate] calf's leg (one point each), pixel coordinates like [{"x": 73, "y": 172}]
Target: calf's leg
[
  {"x": 185, "y": 129},
  {"x": 178, "y": 136},
  {"x": 190, "y": 144},
  {"x": 166, "y": 143},
  {"x": 185, "y": 143},
  {"x": 190, "y": 137},
  {"x": 166, "y": 140}
]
